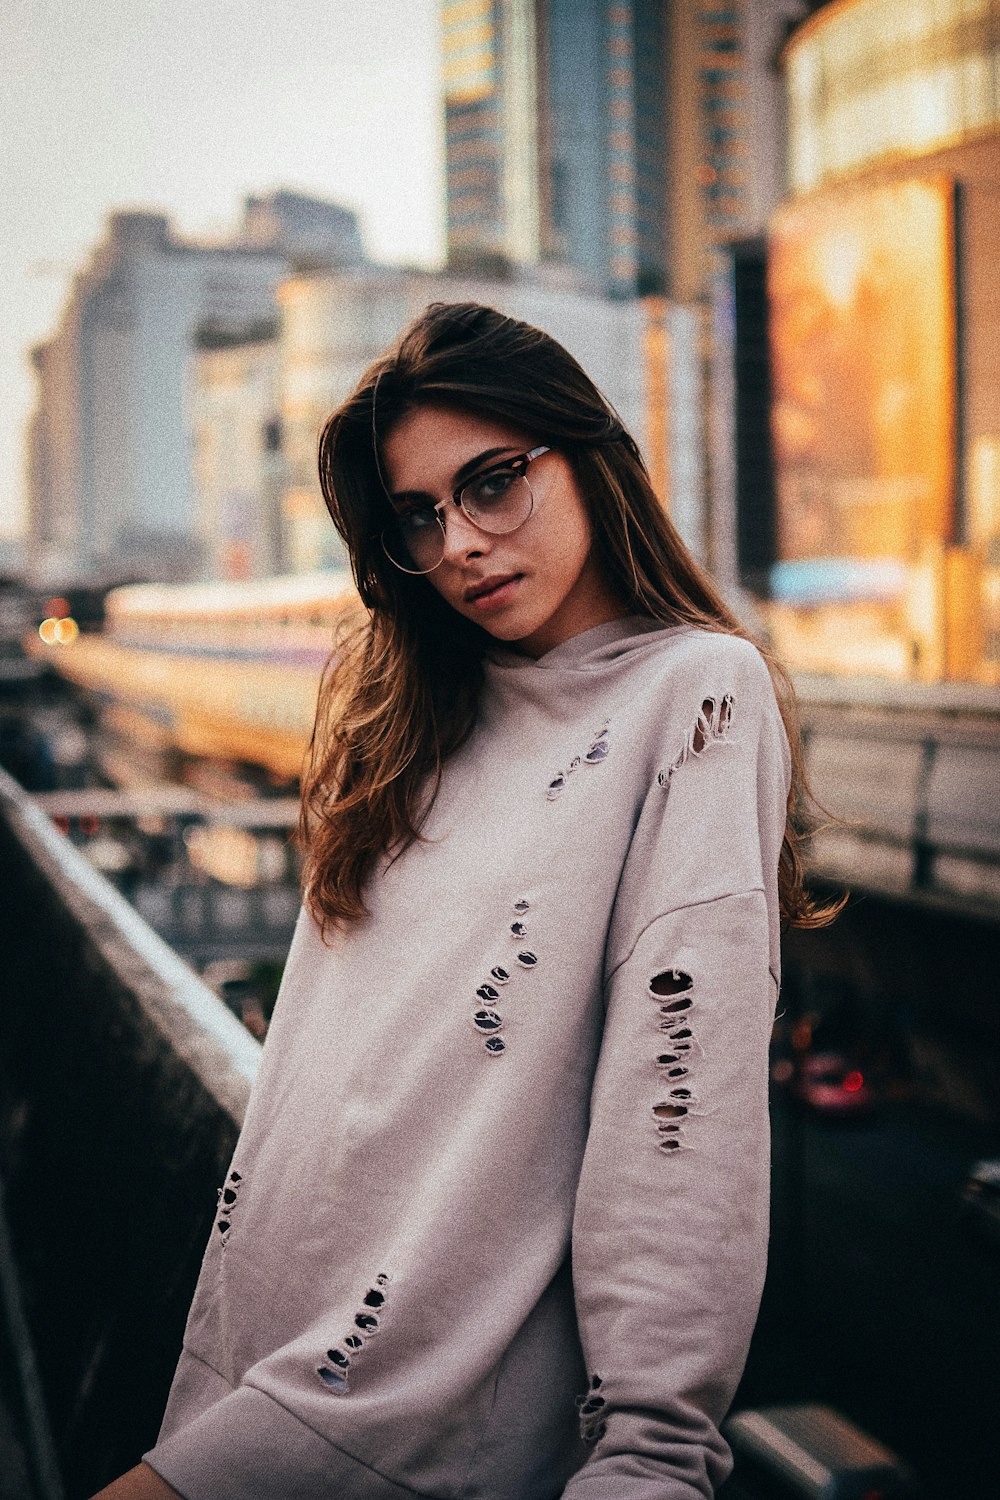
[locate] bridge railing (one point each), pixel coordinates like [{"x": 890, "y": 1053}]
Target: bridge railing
[
  {"x": 913, "y": 776},
  {"x": 123, "y": 1082}
]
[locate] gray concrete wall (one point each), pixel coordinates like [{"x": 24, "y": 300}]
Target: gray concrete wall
[{"x": 123, "y": 1081}]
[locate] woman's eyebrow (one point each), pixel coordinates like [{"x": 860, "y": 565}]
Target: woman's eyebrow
[
  {"x": 459, "y": 476},
  {"x": 477, "y": 462}
]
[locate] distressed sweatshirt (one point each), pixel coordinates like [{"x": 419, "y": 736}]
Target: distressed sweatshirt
[{"x": 496, "y": 1224}]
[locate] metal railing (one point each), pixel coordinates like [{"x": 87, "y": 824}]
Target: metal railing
[{"x": 914, "y": 779}]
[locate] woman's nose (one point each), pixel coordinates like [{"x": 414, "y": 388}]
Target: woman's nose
[{"x": 462, "y": 538}]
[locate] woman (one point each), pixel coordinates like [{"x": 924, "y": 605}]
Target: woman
[{"x": 497, "y": 1220}]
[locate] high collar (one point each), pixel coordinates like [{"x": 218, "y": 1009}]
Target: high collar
[{"x": 587, "y": 650}]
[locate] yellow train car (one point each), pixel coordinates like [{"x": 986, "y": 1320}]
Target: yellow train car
[{"x": 217, "y": 670}]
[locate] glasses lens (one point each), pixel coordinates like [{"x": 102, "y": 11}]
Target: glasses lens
[
  {"x": 498, "y": 501},
  {"x": 415, "y": 541}
]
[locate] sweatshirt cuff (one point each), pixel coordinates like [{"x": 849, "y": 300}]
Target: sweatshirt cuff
[{"x": 247, "y": 1447}]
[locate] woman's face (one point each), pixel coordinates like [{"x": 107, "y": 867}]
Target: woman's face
[{"x": 534, "y": 587}]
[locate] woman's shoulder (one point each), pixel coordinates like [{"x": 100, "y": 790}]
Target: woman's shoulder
[{"x": 714, "y": 660}]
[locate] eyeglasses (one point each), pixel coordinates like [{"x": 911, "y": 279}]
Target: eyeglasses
[{"x": 498, "y": 501}]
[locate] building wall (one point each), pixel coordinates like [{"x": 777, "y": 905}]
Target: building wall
[
  {"x": 555, "y": 144},
  {"x": 54, "y": 478},
  {"x": 727, "y": 122},
  {"x": 876, "y": 81},
  {"x": 308, "y": 230},
  {"x": 115, "y": 496},
  {"x": 238, "y": 469},
  {"x": 876, "y": 104},
  {"x": 472, "y": 41}
]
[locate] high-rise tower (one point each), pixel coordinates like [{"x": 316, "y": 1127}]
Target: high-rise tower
[{"x": 556, "y": 145}]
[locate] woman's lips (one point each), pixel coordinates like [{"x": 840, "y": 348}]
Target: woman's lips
[{"x": 496, "y": 597}]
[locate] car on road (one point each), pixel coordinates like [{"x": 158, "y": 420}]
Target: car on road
[
  {"x": 832, "y": 1084},
  {"x": 981, "y": 1196}
]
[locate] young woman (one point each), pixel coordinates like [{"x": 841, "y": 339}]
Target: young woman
[{"x": 496, "y": 1223}]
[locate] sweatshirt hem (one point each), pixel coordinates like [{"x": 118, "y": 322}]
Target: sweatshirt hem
[{"x": 249, "y": 1438}]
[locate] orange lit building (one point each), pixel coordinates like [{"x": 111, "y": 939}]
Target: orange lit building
[{"x": 884, "y": 311}]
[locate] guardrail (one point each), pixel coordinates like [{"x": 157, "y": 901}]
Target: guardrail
[
  {"x": 123, "y": 1083},
  {"x": 914, "y": 776}
]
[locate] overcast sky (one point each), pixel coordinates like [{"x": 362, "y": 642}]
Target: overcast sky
[{"x": 187, "y": 105}]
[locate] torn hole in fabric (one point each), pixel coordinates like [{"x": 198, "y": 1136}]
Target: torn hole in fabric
[
  {"x": 227, "y": 1196},
  {"x": 335, "y": 1373},
  {"x": 673, "y": 991},
  {"x": 712, "y": 726},
  {"x": 595, "y": 753},
  {"x": 670, "y": 982},
  {"x": 591, "y": 1409}
]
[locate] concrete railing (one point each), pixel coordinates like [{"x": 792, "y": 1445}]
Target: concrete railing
[
  {"x": 912, "y": 772},
  {"x": 123, "y": 1083}
]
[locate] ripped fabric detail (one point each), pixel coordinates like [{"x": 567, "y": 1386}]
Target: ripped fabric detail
[
  {"x": 711, "y": 727},
  {"x": 487, "y": 1018},
  {"x": 339, "y": 1361},
  {"x": 672, "y": 989},
  {"x": 591, "y": 1409},
  {"x": 227, "y": 1195},
  {"x": 596, "y": 752}
]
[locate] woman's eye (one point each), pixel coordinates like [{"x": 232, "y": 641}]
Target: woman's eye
[
  {"x": 411, "y": 521},
  {"x": 491, "y": 486}
]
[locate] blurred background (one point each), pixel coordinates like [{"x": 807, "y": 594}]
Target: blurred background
[{"x": 770, "y": 230}]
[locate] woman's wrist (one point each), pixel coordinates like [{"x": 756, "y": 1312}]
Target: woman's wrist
[{"x": 140, "y": 1483}]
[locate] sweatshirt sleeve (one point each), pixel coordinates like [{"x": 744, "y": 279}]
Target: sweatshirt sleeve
[{"x": 671, "y": 1223}]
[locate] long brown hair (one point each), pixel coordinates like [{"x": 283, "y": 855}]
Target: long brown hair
[{"x": 401, "y": 691}]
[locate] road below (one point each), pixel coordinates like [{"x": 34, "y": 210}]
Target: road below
[{"x": 881, "y": 1300}]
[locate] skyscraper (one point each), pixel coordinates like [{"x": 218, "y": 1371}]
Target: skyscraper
[
  {"x": 556, "y": 142},
  {"x": 112, "y": 489},
  {"x": 726, "y": 131}
]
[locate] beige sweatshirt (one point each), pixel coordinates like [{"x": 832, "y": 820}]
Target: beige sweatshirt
[{"x": 496, "y": 1224}]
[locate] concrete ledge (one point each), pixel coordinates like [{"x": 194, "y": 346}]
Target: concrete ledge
[
  {"x": 123, "y": 1083},
  {"x": 884, "y": 693},
  {"x": 190, "y": 1018}
]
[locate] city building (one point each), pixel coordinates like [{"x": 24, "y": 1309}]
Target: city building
[
  {"x": 727, "y": 125},
  {"x": 884, "y": 325},
  {"x": 308, "y": 231},
  {"x": 631, "y": 144},
  {"x": 238, "y": 464},
  {"x": 643, "y": 354},
  {"x": 626, "y": 140},
  {"x": 111, "y": 481},
  {"x": 727, "y": 131},
  {"x": 555, "y": 141},
  {"x": 162, "y": 336}
]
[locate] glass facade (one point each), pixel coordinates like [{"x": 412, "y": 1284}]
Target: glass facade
[
  {"x": 884, "y": 329},
  {"x": 471, "y": 43},
  {"x": 872, "y": 80},
  {"x": 863, "y": 351},
  {"x": 556, "y": 142},
  {"x": 724, "y": 123}
]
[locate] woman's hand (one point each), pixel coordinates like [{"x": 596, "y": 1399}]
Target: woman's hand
[{"x": 140, "y": 1483}]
